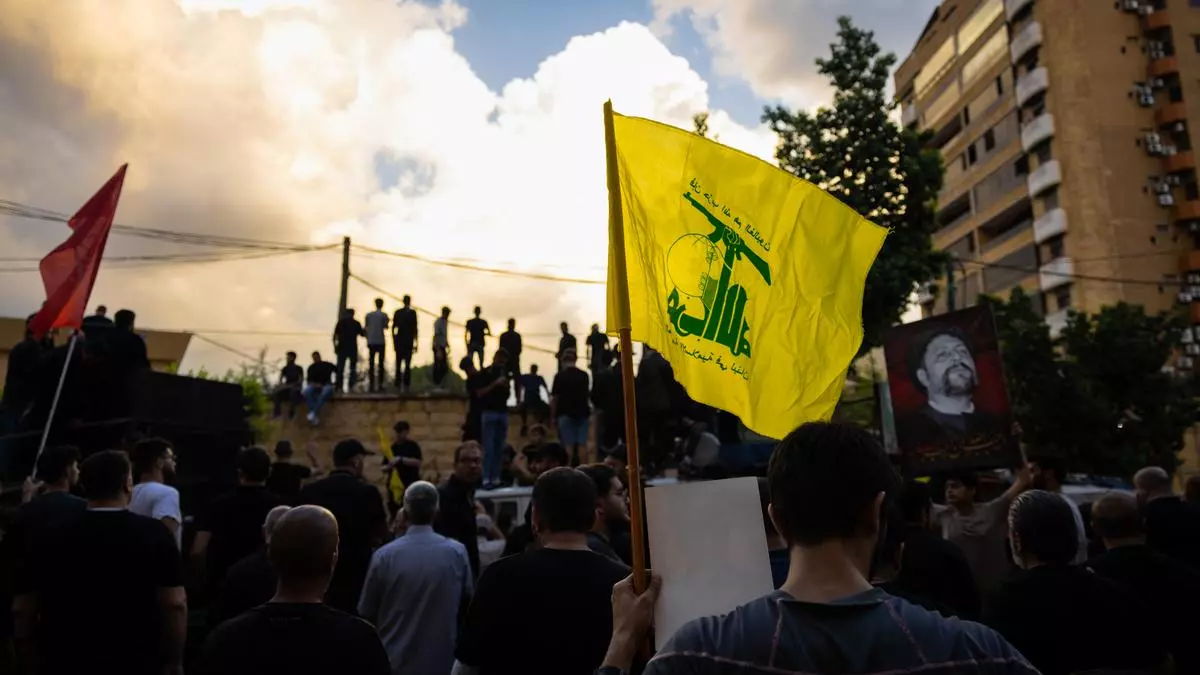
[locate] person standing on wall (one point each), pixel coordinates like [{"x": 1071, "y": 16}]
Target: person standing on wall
[
  {"x": 477, "y": 330},
  {"x": 404, "y": 342},
  {"x": 376, "y": 330},
  {"x": 565, "y": 343},
  {"x": 441, "y": 348},
  {"x": 510, "y": 341},
  {"x": 493, "y": 396},
  {"x": 569, "y": 408},
  {"x": 345, "y": 345}
]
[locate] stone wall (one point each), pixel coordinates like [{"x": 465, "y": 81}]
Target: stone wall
[{"x": 436, "y": 425}]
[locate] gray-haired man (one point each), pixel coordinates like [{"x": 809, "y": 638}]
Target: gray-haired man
[{"x": 416, "y": 589}]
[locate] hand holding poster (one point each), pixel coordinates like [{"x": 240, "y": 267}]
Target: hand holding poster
[{"x": 947, "y": 386}]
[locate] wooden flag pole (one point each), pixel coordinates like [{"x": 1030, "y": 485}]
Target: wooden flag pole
[{"x": 619, "y": 312}]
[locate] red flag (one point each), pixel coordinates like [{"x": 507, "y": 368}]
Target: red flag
[{"x": 69, "y": 271}]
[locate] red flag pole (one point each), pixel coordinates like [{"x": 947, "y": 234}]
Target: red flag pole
[{"x": 62, "y": 378}]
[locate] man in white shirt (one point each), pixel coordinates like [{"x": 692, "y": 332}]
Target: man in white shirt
[
  {"x": 441, "y": 347},
  {"x": 376, "y": 328},
  {"x": 154, "y": 467}
]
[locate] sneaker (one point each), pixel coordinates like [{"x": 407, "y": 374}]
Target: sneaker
[{"x": 312, "y": 418}]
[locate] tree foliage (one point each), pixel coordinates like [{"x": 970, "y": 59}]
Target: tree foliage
[
  {"x": 854, "y": 150},
  {"x": 1097, "y": 396}
]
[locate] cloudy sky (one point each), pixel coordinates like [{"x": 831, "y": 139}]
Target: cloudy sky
[{"x": 456, "y": 130}]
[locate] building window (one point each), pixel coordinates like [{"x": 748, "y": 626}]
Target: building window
[
  {"x": 1021, "y": 166},
  {"x": 1043, "y": 153},
  {"x": 1062, "y": 297},
  {"x": 971, "y": 156},
  {"x": 966, "y": 115},
  {"x": 989, "y": 140},
  {"x": 1050, "y": 200},
  {"x": 1190, "y": 190},
  {"x": 1054, "y": 248},
  {"x": 1000, "y": 83}
]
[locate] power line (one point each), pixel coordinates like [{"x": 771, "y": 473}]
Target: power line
[
  {"x": 127, "y": 262},
  {"x": 229, "y": 349},
  {"x": 1077, "y": 277},
  {"x": 477, "y": 268},
  {"x": 435, "y": 315}
]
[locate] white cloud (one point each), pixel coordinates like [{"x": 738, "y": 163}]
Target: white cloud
[
  {"x": 270, "y": 122},
  {"x": 772, "y": 44}
]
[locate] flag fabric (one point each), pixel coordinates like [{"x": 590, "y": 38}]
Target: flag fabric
[
  {"x": 69, "y": 271},
  {"x": 748, "y": 280},
  {"x": 395, "y": 484}
]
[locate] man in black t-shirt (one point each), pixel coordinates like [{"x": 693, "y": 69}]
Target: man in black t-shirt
[
  {"x": 597, "y": 349},
  {"x": 406, "y": 454},
  {"x": 291, "y": 381},
  {"x": 58, "y": 472},
  {"x": 493, "y": 397},
  {"x": 510, "y": 341},
  {"x": 476, "y": 330},
  {"x": 345, "y": 347},
  {"x": 566, "y": 343},
  {"x": 320, "y": 386},
  {"x": 560, "y": 593},
  {"x": 251, "y": 581},
  {"x": 230, "y": 528},
  {"x": 286, "y": 478},
  {"x": 404, "y": 341},
  {"x": 569, "y": 407},
  {"x": 358, "y": 507},
  {"x": 105, "y": 593},
  {"x": 295, "y": 633}
]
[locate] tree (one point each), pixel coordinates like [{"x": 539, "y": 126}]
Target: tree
[
  {"x": 856, "y": 152},
  {"x": 700, "y": 122},
  {"x": 1098, "y": 396}
]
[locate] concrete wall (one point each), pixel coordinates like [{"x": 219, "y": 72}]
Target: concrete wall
[{"x": 436, "y": 425}]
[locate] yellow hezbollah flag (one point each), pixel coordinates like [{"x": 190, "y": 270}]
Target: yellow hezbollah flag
[
  {"x": 395, "y": 485},
  {"x": 747, "y": 279}
]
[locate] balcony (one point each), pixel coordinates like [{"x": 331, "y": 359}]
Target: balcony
[
  {"x": 1163, "y": 67},
  {"x": 1056, "y": 273},
  {"x": 1032, "y": 83},
  {"x": 1037, "y": 130},
  {"x": 1180, "y": 161},
  {"x": 1029, "y": 38},
  {"x": 1057, "y": 321},
  {"x": 1156, "y": 20},
  {"x": 1187, "y": 211},
  {"x": 908, "y": 115},
  {"x": 1051, "y": 224},
  {"x": 1170, "y": 113},
  {"x": 1044, "y": 177},
  {"x": 1191, "y": 261},
  {"x": 1011, "y": 7}
]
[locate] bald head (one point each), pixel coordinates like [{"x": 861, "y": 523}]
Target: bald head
[
  {"x": 1115, "y": 518},
  {"x": 271, "y": 520},
  {"x": 421, "y": 503},
  {"x": 304, "y": 545},
  {"x": 1152, "y": 481}
]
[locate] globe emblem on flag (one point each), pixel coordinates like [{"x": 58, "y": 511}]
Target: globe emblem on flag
[{"x": 694, "y": 265}]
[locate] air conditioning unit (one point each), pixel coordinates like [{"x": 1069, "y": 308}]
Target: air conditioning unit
[
  {"x": 1170, "y": 150},
  {"x": 1158, "y": 83},
  {"x": 1185, "y": 297},
  {"x": 1156, "y": 54},
  {"x": 1131, "y": 5},
  {"x": 1166, "y": 200},
  {"x": 1192, "y": 349},
  {"x": 1154, "y": 149},
  {"x": 1194, "y": 226},
  {"x": 1185, "y": 336},
  {"x": 1146, "y": 10},
  {"x": 1174, "y": 180},
  {"x": 1185, "y": 362},
  {"x": 1153, "y": 139},
  {"x": 1179, "y": 127},
  {"x": 1146, "y": 101},
  {"x": 1163, "y": 188},
  {"x": 1193, "y": 278}
]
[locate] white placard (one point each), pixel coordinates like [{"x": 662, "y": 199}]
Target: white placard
[{"x": 708, "y": 544}]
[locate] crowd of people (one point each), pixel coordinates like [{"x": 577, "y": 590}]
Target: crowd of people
[{"x": 300, "y": 569}]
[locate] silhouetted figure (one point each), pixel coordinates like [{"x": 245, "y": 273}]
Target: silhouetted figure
[
  {"x": 345, "y": 346},
  {"x": 597, "y": 349},
  {"x": 565, "y": 343},
  {"x": 376, "y": 330},
  {"x": 404, "y": 342},
  {"x": 441, "y": 348},
  {"x": 290, "y": 388},
  {"x": 510, "y": 341},
  {"x": 477, "y": 330}
]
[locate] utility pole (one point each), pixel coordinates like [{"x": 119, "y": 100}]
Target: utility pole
[
  {"x": 951, "y": 291},
  {"x": 345, "y": 277}
]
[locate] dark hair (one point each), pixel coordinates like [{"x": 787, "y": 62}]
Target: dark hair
[
  {"x": 512, "y": 323},
  {"x": 969, "y": 479},
  {"x": 407, "y": 299},
  {"x": 284, "y": 448},
  {"x": 478, "y": 309},
  {"x": 401, "y": 427},
  {"x": 764, "y": 500},
  {"x": 602, "y": 476},
  {"x": 565, "y": 500},
  {"x": 291, "y": 355},
  {"x": 52, "y": 465},
  {"x": 554, "y": 452},
  {"x": 254, "y": 464},
  {"x": 103, "y": 475},
  {"x": 466, "y": 364},
  {"x": 124, "y": 318},
  {"x": 445, "y": 311},
  {"x": 533, "y": 368},
  {"x": 914, "y": 502},
  {"x": 502, "y": 353},
  {"x": 316, "y": 355},
  {"x": 379, "y": 302},
  {"x": 1116, "y": 516},
  {"x": 1045, "y": 526},
  {"x": 824, "y": 476},
  {"x": 916, "y": 350},
  {"x": 146, "y": 452},
  {"x": 1053, "y": 465},
  {"x": 459, "y": 449}
]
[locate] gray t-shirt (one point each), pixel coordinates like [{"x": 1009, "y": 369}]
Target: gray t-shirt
[
  {"x": 869, "y": 632},
  {"x": 376, "y": 326},
  {"x": 982, "y": 535}
]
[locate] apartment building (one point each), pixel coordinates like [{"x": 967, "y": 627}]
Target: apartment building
[{"x": 1064, "y": 127}]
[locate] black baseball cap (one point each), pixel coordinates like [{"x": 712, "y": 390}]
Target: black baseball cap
[{"x": 348, "y": 449}]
